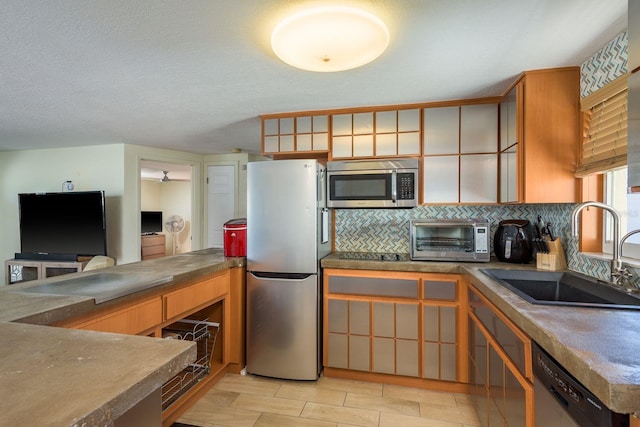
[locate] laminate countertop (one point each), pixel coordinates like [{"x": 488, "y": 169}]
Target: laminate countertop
[
  {"x": 600, "y": 347},
  {"x": 66, "y": 377}
]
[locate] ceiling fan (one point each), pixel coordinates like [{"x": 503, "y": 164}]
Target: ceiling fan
[{"x": 166, "y": 177}]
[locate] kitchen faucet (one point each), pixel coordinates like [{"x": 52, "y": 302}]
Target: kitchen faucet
[
  {"x": 618, "y": 273},
  {"x": 626, "y": 274}
]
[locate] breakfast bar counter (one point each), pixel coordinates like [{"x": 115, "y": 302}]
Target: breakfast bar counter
[{"x": 59, "y": 376}]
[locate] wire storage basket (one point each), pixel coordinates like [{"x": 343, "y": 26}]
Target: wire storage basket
[{"x": 204, "y": 334}]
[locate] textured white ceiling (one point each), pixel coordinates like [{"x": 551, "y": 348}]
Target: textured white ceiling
[{"x": 195, "y": 75}]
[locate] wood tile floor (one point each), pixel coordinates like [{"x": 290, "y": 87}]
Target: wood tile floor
[{"x": 246, "y": 400}]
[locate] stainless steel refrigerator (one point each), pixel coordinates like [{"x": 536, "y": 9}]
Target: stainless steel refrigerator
[{"x": 288, "y": 232}]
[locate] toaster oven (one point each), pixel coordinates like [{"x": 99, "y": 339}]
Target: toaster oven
[{"x": 449, "y": 239}]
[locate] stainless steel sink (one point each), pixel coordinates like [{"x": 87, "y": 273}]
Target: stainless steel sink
[{"x": 563, "y": 288}]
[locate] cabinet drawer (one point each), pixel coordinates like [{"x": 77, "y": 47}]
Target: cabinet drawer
[
  {"x": 392, "y": 287},
  {"x": 445, "y": 290},
  {"x": 131, "y": 320},
  {"x": 153, "y": 240},
  {"x": 180, "y": 302},
  {"x": 153, "y": 250}
]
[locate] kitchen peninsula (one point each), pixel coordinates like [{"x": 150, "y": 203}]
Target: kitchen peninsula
[{"x": 70, "y": 376}]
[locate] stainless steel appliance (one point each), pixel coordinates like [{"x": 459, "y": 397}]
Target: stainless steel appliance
[
  {"x": 373, "y": 183},
  {"x": 562, "y": 401},
  {"x": 449, "y": 239},
  {"x": 287, "y": 235}
]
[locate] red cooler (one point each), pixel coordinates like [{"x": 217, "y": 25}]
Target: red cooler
[{"x": 235, "y": 237}]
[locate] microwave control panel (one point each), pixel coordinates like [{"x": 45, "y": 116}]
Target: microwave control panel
[
  {"x": 405, "y": 186},
  {"x": 482, "y": 240}
]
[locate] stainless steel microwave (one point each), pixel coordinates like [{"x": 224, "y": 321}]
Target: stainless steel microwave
[
  {"x": 389, "y": 183},
  {"x": 449, "y": 239}
]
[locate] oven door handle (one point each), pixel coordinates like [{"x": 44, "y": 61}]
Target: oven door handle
[{"x": 394, "y": 186}]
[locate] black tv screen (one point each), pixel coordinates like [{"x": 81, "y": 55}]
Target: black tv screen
[
  {"x": 150, "y": 222},
  {"x": 63, "y": 225}
]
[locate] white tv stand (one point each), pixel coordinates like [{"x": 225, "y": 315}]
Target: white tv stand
[{"x": 24, "y": 270}]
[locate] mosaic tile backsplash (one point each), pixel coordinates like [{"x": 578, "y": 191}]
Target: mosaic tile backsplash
[
  {"x": 387, "y": 230},
  {"x": 605, "y": 66}
]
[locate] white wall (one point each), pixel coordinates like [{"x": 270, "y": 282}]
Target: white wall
[
  {"x": 150, "y": 195},
  {"x": 175, "y": 200},
  {"x": 90, "y": 168}
]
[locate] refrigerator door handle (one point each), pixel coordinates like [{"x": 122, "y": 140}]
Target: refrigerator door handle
[{"x": 280, "y": 276}]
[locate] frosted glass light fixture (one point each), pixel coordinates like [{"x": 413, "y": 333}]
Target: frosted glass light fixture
[{"x": 330, "y": 38}]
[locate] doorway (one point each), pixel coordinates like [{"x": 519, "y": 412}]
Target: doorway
[
  {"x": 167, "y": 188},
  {"x": 221, "y": 201}
]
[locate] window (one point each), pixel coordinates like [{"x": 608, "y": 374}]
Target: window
[
  {"x": 628, "y": 205},
  {"x": 604, "y": 135}
]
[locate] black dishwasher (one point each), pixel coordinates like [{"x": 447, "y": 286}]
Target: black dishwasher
[{"x": 561, "y": 400}]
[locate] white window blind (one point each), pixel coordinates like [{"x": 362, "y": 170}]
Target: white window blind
[{"x": 604, "y": 143}]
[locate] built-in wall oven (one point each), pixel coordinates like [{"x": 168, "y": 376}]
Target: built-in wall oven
[
  {"x": 562, "y": 401},
  {"x": 465, "y": 239},
  {"x": 390, "y": 183}
]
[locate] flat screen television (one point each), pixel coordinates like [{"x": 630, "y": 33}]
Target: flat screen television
[
  {"x": 150, "y": 222},
  {"x": 62, "y": 226}
]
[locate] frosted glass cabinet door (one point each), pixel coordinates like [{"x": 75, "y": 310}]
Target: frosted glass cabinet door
[
  {"x": 320, "y": 141},
  {"x": 363, "y": 123},
  {"x": 362, "y": 145},
  {"x": 271, "y": 144},
  {"x": 441, "y": 179},
  {"x": 508, "y": 120},
  {"x": 386, "y": 144},
  {"x": 386, "y": 122},
  {"x": 286, "y": 126},
  {"x": 342, "y": 146},
  {"x": 441, "y": 130},
  {"x": 303, "y": 124},
  {"x": 408, "y": 120},
  {"x": 320, "y": 124},
  {"x": 479, "y": 128},
  {"x": 479, "y": 178},
  {"x": 508, "y": 176},
  {"x": 303, "y": 142},
  {"x": 342, "y": 124},
  {"x": 286, "y": 142},
  {"x": 271, "y": 127},
  {"x": 409, "y": 143}
]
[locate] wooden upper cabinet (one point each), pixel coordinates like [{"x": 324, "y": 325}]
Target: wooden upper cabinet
[
  {"x": 369, "y": 134},
  {"x": 544, "y": 152},
  {"x": 292, "y": 135},
  {"x": 460, "y": 154}
]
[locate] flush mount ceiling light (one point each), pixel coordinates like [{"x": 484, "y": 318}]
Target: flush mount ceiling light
[{"x": 331, "y": 38}]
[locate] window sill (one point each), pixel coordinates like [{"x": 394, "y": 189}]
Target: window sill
[{"x": 633, "y": 262}]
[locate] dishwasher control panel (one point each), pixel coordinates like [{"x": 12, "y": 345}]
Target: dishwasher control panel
[{"x": 582, "y": 405}]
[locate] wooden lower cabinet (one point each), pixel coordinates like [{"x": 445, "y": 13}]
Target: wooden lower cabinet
[
  {"x": 216, "y": 298},
  {"x": 135, "y": 319},
  {"x": 501, "y": 383},
  {"x": 395, "y": 327}
]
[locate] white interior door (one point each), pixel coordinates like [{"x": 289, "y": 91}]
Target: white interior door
[{"x": 221, "y": 201}]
